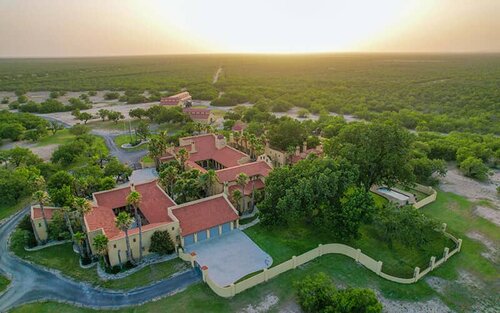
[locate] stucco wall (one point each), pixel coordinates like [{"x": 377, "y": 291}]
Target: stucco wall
[
  {"x": 39, "y": 227},
  {"x": 334, "y": 248},
  {"x": 120, "y": 244}
]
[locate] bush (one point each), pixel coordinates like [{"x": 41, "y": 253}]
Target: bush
[
  {"x": 111, "y": 95},
  {"x": 316, "y": 293},
  {"x": 22, "y": 238},
  {"x": 161, "y": 243},
  {"x": 14, "y": 105}
]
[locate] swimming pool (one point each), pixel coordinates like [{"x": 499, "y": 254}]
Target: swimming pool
[{"x": 393, "y": 194}]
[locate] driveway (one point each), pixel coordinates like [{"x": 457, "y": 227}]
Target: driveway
[
  {"x": 33, "y": 283},
  {"x": 230, "y": 257}
]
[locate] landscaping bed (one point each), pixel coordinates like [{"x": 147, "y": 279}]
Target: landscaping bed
[{"x": 4, "y": 283}]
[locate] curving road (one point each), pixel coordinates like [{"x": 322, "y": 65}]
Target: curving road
[{"x": 31, "y": 283}]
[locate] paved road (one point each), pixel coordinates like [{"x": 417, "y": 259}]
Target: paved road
[{"x": 31, "y": 283}]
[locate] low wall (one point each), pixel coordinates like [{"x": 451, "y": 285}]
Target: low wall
[
  {"x": 332, "y": 248},
  {"x": 425, "y": 201}
]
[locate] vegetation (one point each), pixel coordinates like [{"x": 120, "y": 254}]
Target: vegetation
[
  {"x": 161, "y": 243},
  {"x": 4, "y": 283},
  {"x": 317, "y": 294},
  {"x": 16, "y": 126}
]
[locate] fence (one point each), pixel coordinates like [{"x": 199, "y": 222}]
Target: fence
[
  {"x": 427, "y": 190},
  {"x": 332, "y": 248}
]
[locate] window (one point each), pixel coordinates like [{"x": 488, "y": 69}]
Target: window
[
  {"x": 39, "y": 224},
  {"x": 173, "y": 228},
  {"x": 114, "y": 246},
  {"x": 134, "y": 239}
]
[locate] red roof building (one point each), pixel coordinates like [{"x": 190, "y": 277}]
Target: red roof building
[
  {"x": 36, "y": 212},
  {"x": 259, "y": 168},
  {"x": 208, "y": 147},
  {"x": 154, "y": 207},
  {"x": 204, "y": 214},
  {"x": 177, "y": 99},
  {"x": 201, "y": 115}
]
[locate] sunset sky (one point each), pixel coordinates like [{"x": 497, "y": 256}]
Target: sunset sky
[{"x": 56, "y": 28}]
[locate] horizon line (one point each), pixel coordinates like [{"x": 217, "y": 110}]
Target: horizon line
[{"x": 256, "y": 53}]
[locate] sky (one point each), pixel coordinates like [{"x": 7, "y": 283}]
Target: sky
[{"x": 66, "y": 28}]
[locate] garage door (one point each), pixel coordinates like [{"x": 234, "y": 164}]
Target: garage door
[
  {"x": 226, "y": 227},
  {"x": 188, "y": 240},
  {"x": 202, "y": 235},
  {"x": 214, "y": 232}
]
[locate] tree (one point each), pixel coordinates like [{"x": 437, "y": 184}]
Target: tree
[
  {"x": 182, "y": 156},
  {"x": 287, "y": 133},
  {"x": 115, "y": 116},
  {"x": 237, "y": 196},
  {"x": 134, "y": 199},
  {"x": 55, "y": 127},
  {"x": 317, "y": 294},
  {"x": 208, "y": 181},
  {"x": 103, "y": 114},
  {"x": 79, "y": 130},
  {"x": 21, "y": 156},
  {"x": 100, "y": 244},
  {"x": 42, "y": 198},
  {"x": 168, "y": 176},
  {"x": 84, "y": 116},
  {"x": 142, "y": 130},
  {"x": 474, "y": 167},
  {"x": 123, "y": 222},
  {"x": 157, "y": 146},
  {"x": 161, "y": 243},
  {"x": 117, "y": 169},
  {"x": 79, "y": 238},
  {"x": 66, "y": 213},
  {"x": 12, "y": 131},
  {"x": 380, "y": 151},
  {"x": 83, "y": 207},
  {"x": 242, "y": 181},
  {"x": 137, "y": 113}
]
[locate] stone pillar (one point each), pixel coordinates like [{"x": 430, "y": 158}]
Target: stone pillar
[
  {"x": 220, "y": 230},
  {"x": 204, "y": 273},
  {"x": 266, "y": 277},
  {"x": 445, "y": 254},
  {"x": 232, "y": 225},
  {"x": 379, "y": 267},
  {"x": 193, "y": 258},
  {"x": 416, "y": 273},
  {"x": 444, "y": 227},
  {"x": 195, "y": 236},
  {"x": 358, "y": 254},
  {"x": 208, "y": 233},
  {"x": 237, "y": 223},
  {"x": 432, "y": 265},
  {"x": 459, "y": 244},
  {"x": 294, "y": 261},
  {"x": 320, "y": 250}
]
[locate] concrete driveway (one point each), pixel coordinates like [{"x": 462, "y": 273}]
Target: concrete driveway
[{"x": 230, "y": 257}]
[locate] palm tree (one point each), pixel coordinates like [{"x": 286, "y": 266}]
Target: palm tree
[
  {"x": 66, "y": 211},
  {"x": 168, "y": 177},
  {"x": 157, "y": 146},
  {"x": 237, "y": 137},
  {"x": 101, "y": 246},
  {"x": 182, "y": 157},
  {"x": 134, "y": 199},
  {"x": 242, "y": 180},
  {"x": 42, "y": 198},
  {"x": 83, "y": 207},
  {"x": 236, "y": 198},
  {"x": 123, "y": 222},
  {"x": 79, "y": 238},
  {"x": 208, "y": 180}
]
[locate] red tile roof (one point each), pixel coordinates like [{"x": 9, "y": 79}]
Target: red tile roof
[
  {"x": 203, "y": 214},
  {"x": 205, "y": 149},
  {"x": 260, "y": 168},
  {"x": 303, "y": 155},
  {"x": 239, "y": 126},
  {"x": 259, "y": 184},
  {"x": 36, "y": 212},
  {"x": 154, "y": 206},
  {"x": 174, "y": 100}
]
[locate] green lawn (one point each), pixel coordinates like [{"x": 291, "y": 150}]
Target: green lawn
[
  {"x": 110, "y": 125},
  {"x": 4, "y": 282},
  {"x": 450, "y": 208},
  {"x": 8, "y": 210},
  {"x": 125, "y": 138},
  {"x": 62, "y": 257},
  {"x": 61, "y": 137}
]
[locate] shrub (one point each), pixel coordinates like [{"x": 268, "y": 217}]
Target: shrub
[
  {"x": 161, "y": 243},
  {"x": 22, "y": 238},
  {"x": 14, "y": 105},
  {"x": 111, "y": 95}
]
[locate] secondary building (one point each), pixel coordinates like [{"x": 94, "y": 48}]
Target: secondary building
[{"x": 180, "y": 99}]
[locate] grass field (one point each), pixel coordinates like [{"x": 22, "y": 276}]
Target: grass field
[
  {"x": 458, "y": 295},
  {"x": 125, "y": 138},
  {"x": 4, "y": 282},
  {"x": 61, "y": 137},
  {"x": 110, "y": 125},
  {"x": 7, "y": 210},
  {"x": 62, "y": 257}
]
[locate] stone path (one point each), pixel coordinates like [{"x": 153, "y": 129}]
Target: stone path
[{"x": 31, "y": 283}]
